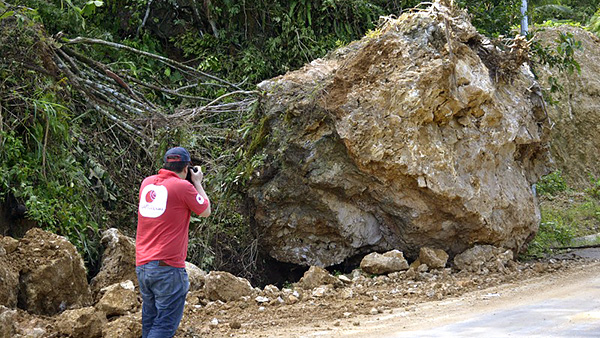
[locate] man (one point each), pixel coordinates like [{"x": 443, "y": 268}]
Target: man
[{"x": 166, "y": 201}]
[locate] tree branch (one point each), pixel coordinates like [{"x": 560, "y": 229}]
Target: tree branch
[{"x": 162, "y": 59}]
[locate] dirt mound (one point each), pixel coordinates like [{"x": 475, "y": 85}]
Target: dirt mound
[{"x": 52, "y": 276}]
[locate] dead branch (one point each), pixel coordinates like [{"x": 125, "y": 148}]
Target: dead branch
[
  {"x": 160, "y": 58},
  {"x": 188, "y": 114},
  {"x": 145, "y": 17},
  {"x": 165, "y": 90}
]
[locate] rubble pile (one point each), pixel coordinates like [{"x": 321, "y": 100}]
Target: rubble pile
[{"x": 220, "y": 303}]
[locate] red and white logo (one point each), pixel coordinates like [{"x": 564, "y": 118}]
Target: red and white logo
[
  {"x": 153, "y": 201},
  {"x": 150, "y": 196}
]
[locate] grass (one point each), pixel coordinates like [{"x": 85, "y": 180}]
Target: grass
[{"x": 569, "y": 217}]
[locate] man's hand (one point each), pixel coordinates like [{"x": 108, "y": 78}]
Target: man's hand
[{"x": 197, "y": 175}]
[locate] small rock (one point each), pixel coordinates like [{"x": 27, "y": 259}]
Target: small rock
[
  {"x": 235, "y": 325},
  {"x": 271, "y": 289},
  {"x": 319, "y": 292},
  {"x": 483, "y": 258},
  {"x": 345, "y": 279},
  {"x": 423, "y": 268},
  {"x": 196, "y": 276},
  {"x": 220, "y": 285},
  {"x": 434, "y": 258},
  {"x": 347, "y": 293},
  {"x": 261, "y": 299},
  {"x": 316, "y": 276},
  {"x": 10, "y": 244},
  {"x": 213, "y": 323},
  {"x": 118, "y": 299},
  {"x": 128, "y": 326},
  {"x": 379, "y": 264},
  {"x": 373, "y": 311},
  {"x": 84, "y": 322}
]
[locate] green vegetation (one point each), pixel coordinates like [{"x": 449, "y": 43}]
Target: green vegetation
[
  {"x": 594, "y": 24},
  {"x": 74, "y": 154},
  {"x": 567, "y": 215},
  {"x": 551, "y": 184},
  {"x": 503, "y": 17},
  {"x": 551, "y": 234}
]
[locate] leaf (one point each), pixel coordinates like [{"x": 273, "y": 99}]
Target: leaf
[
  {"x": 167, "y": 71},
  {"x": 7, "y": 14}
]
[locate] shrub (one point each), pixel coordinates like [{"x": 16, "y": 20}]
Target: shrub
[
  {"x": 594, "y": 190},
  {"x": 552, "y": 233},
  {"x": 551, "y": 184}
]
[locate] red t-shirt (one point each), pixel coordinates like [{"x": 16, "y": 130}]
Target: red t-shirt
[{"x": 165, "y": 205}]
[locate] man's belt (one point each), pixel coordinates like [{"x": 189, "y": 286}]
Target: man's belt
[{"x": 162, "y": 263}]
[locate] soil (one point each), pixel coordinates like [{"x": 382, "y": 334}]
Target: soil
[{"x": 358, "y": 308}]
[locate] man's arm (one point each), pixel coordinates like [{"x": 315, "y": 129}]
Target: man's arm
[{"x": 197, "y": 178}]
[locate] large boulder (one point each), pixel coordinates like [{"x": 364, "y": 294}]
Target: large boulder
[
  {"x": 423, "y": 134},
  {"x": 575, "y": 116},
  {"x": 118, "y": 260},
  {"x": 52, "y": 274}
]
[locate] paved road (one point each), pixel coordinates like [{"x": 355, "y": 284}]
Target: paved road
[
  {"x": 553, "y": 306},
  {"x": 574, "y": 315}
]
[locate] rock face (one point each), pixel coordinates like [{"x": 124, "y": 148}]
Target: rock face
[
  {"x": 404, "y": 139},
  {"x": 52, "y": 274},
  {"x": 576, "y": 131}
]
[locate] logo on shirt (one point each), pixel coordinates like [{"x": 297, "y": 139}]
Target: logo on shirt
[
  {"x": 153, "y": 201},
  {"x": 150, "y": 196},
  {"x": 199, "y": 199}
]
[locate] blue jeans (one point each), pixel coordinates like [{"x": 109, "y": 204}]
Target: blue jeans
[{"x": 163, "y": 290}]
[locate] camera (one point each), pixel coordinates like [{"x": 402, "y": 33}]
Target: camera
[{"x": 189, "y": 173}]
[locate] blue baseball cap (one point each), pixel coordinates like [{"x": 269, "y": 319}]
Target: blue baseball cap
[{"x": 177, "y": 154}]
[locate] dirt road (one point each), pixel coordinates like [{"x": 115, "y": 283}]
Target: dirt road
[{"x": 549, "y": 306}]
